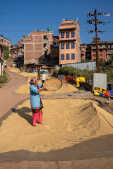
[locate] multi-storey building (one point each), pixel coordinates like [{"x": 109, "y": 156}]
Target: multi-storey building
[
  {"x": 54, "y": 55},
  {"x": 102, "y": 53},
  {"x": 83, "y": 48},
  {"x": 105, "y": 48},
  {"x": 17, "y": 50},
  {"x": 37, "y": 47},
  {"x": 4, "y": 42},
  {"x": 69, "y": 42}
]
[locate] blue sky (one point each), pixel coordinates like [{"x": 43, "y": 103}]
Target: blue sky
[{"x": 19, "y": 17}]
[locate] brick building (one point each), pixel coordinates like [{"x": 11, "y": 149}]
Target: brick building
[
  {"x": 102, "y": 53},
  {"x": 4, "y": 42},
  {"x": 37, "y": 47},
  {"x": 17, "y": 50},
  {"x": 69, "y": 42},
  {"x": 83, "y": 49},
  {"x": 88, "y": 51},
  {"x": 54, "y": 56}
]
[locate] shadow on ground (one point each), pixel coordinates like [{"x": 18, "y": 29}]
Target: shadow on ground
[
  {"x": 23, "y": 112},
  {"x": 94, "y": 148}
]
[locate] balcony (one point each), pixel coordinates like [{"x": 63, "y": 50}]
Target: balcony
[
  {"x": 67, "y": 39},
  {"x": 67, "y": 27}
]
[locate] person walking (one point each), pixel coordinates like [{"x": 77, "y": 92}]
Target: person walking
[{"x": 35, "y": 101}]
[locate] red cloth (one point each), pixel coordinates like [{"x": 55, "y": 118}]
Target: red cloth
[
  {"x": 37, "y": 116},
  {"x": 107, "y": 93}
]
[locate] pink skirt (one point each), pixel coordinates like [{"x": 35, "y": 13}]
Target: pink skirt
[{"x": 36, "y": 117}]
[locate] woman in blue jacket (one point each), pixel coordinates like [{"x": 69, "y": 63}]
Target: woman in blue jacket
[{"x": 35, "y": 101}]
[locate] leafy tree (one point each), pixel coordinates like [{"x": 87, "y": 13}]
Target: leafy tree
[
  {"x": 3, "y": 78},
  {"x": 6, "y": 52}
]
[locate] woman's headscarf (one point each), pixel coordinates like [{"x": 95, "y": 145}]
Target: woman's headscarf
[{"x": 33, "y": 81}]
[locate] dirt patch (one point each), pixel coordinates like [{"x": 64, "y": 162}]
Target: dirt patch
[
  {"x": 52, "y": 86},
  {"x": 13, "y": 69},
  {"x": 66, "y": 122},
  {"x": 25, "y": 74},
  {"x": 110, "y": 105}
]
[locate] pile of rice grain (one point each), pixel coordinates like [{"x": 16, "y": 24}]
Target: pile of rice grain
[{"x": 66, "y": 122}]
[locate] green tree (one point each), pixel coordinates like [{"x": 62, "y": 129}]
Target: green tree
[{"x": 6, "y": 52}]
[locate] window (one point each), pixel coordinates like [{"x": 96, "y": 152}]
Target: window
[
  {"x": 62, "y": 45},
  {"x": 67, "y": 45},
  {"x": 73, "y": 56},
  {"x": 62, "y": 34},
  {"x": 1, "y": 40},
  {"x": 94, "y": 50},
  {"x": 109, "y": 46},
  {"x": 67, "y": 56},
  {"x": 73, "y": 34},
  {"x": 62, "y": 56},
  {"x": 72, "y": 45},
  {"x": 94, "y": 55},
  {"x": 45, "y": 37},
  {"x": 55, "y": 44},
  {"x": 44, "y": 45},
  {"x": 67, "y": 34}
]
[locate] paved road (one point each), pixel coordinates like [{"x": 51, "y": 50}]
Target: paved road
[
  {"x": 8, "y": 97},
  {"x": 97, "y": 163}
]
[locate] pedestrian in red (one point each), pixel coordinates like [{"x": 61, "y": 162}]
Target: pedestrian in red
[{"x": 35, "y": 101}]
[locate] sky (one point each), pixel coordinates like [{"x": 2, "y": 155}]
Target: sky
[{"x": 20, "y": 17}]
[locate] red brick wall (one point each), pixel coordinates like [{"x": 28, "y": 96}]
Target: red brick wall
[
  {"x": 102, "y": 55},
  {"x": 34, "y": 45}
]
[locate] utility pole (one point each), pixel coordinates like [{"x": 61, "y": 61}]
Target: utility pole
[
  {"x": 95, "y": 21},
  {"x": 97, "y": 49}
]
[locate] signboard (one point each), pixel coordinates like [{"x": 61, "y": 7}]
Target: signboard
[{"x": 100, "y": 80}]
